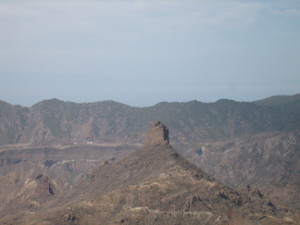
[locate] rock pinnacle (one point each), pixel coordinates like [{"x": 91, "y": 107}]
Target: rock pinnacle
[{"x": 158, "y": 134}]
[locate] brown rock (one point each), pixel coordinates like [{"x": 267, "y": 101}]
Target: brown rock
[
  {"x": 44, "y": 187},
  {"x": 158, "y": 134}
]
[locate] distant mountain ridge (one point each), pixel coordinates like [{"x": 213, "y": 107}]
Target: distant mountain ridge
[
  {"x": 279, "y": 100},
  {"x": 108, "y": 121}
]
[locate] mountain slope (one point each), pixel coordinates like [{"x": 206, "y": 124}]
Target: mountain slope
[
  {"x": 271, "y": 164},
  {"x": 268, "y": 160},
  {"x": 55, "y": 121},
  {"x": 12, "y": 122},
  {"x": 278, "y": 100},
  {"x": 34, "y": 178},
  {"x": 155, "y": 185}
]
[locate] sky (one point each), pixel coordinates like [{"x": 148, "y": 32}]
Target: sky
[{"x": 141, "y": 52}]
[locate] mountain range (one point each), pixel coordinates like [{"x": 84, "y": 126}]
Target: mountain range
[
  {"x": 53, "y": 149},
  {"x": 153, "y": 185},
  {"x": 53, "y": 121}
]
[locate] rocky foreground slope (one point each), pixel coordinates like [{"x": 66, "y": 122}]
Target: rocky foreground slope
[{"x": 155, "y": 185}]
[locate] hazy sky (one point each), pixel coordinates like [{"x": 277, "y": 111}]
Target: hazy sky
[{"x": 141, "y": 52}]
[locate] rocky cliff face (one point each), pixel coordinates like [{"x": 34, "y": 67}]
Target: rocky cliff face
[
  {"x": 157, "y": 134},
  {"x": 44, "y": 187}
]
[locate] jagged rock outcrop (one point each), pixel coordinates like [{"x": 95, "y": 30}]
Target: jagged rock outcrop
[
  {"x": 157, "y": 134},
  {"x": 44, "y": 187}
]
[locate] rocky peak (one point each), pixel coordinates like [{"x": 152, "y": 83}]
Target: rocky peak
[
  {"x": 157, "y": 134},
  {"x": 44, "y": 187}
]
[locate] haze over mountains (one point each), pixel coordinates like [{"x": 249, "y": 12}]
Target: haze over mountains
[
  {"x": 48, "y": 150},
  {"x": 57, "y": 121}
]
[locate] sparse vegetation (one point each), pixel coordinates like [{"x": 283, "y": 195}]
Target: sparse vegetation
[{"x": 154, "y": 185}]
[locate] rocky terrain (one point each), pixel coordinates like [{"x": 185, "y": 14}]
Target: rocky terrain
[
  {"x": 155, "y": 185},
  {"x": 268, "y": 160},
  {"x": 32, "y": 177},
  {"x": 55, "y": 121},
  {"x": 48, "y": 149}
]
